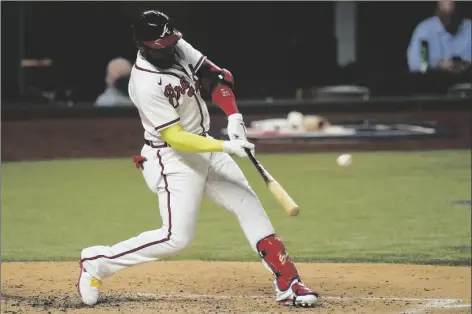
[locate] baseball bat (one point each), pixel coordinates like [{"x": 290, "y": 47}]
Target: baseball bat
[{"x": 275, "y": 188}]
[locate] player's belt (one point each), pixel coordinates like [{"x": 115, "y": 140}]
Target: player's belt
[
  {"x": 149, "y": 143},
  {"x": 163, "y": 145}
]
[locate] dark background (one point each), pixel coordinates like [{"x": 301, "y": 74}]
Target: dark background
[{"x": 268, "y": 46}]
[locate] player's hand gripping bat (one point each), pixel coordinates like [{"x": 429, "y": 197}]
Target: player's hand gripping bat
[{"x": 275, "y": 188}]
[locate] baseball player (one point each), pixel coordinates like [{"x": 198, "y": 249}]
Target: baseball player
[{"x": 181, "y": 163}]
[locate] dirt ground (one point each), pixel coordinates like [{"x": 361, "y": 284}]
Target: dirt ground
[{"x": 233, "y": 287}]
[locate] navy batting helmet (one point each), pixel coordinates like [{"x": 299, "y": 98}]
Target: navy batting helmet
[{"x": 154, "y": 29}]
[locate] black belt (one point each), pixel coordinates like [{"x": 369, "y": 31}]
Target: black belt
[
  {"x": 163, "y": 145},
  {"x": 149, "y": 143}
]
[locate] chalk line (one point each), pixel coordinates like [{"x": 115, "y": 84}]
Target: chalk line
[
  {"x": 429, "y": 303},
  {"x": 341, "y": 298},
  {"x": 445, "y": 304}
]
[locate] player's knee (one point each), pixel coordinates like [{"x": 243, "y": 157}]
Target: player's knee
[{"x": 180, "y": 241}]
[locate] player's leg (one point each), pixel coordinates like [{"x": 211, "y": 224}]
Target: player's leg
[
  {"x": 228, "y": 187},
  {"x": 180, "y": 190}
]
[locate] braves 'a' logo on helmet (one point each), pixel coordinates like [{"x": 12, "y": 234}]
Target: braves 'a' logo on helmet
[{"x": 165, "y": 31}]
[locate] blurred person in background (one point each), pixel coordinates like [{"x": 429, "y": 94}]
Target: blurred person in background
[
  {"x": 441, "y": 42},
  {"x": 117, "y": 79}
]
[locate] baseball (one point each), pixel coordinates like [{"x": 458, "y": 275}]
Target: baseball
[{"x": 344, "y": 160}]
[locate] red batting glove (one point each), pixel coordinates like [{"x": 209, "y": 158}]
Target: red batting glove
[{"x": 138, "y": 161}]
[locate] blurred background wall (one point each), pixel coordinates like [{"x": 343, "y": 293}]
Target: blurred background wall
[
  {"x": 55, "y": 57},
  {"x": 272, "y": 48}
]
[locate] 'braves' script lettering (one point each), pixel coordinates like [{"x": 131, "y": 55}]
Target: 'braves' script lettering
[{"x": 173, "y": 93}]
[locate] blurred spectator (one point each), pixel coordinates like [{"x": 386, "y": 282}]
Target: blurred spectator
[
  {"x": 116, "y": 93},
  {"x": 442, "y": 41}
]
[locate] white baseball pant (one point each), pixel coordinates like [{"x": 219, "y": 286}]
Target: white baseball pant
[{"x": 181, "y": 180}]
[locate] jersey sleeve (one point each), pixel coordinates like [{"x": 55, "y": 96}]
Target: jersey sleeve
[
  {"x": 158, "y": 110},
  {"x": 191, "y": 55},
  {"x": 414, "y": 48}
]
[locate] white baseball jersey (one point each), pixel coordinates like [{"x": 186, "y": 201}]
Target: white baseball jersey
[{"x": 166, "y": 97}]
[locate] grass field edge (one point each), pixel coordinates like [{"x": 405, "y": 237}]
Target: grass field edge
[
  {"x": 261, "y": 155},
  {"x": 428, "y": 262}
]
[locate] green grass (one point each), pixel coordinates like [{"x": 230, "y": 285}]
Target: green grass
[{"x": 386, "y": 207}]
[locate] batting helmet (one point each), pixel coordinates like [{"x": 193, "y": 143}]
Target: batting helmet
[{"x": 155, "y": 37}]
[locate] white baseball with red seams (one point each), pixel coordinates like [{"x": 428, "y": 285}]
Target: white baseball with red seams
[
  {"x": 344, "y": 160},
  {"x": 180, "y": 179}
]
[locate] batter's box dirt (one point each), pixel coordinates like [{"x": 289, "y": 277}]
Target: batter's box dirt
[{"x": 231, "y": 287}]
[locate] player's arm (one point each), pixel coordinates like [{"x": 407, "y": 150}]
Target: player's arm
[
  {"x": 179, "y": 139},
  {"x": 414, "y": 47},
  {"x": 219, "y": 83}
]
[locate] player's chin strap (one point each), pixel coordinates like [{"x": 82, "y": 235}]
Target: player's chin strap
[{"x": 276, "y": 259}]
